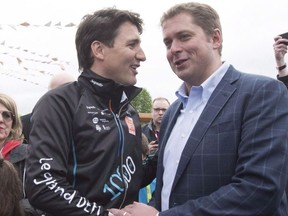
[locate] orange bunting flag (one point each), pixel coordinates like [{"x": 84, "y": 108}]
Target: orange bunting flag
[
  {"x": 48, "y": 24},
  {"x": 19, "y": 60},
  {"x": 25, "y": 24}
]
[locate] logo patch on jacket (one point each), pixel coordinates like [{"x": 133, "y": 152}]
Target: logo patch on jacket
[{"x": 130, "y": 124}]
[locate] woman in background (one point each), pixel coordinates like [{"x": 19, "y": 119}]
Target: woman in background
[
  {"x": 11, "y": 134},
  {"x": 10, "y": 190},
  {"x": 11, "y": 147}
]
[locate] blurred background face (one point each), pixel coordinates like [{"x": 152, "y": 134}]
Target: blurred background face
[
  {"x": 6, "y": 121},
  {"x": 158, "y": 109}
]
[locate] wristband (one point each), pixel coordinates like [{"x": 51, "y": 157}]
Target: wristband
[{"x": 281, "y": 67}]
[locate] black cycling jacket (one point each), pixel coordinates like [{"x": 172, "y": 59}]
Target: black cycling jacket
[{"x": 85, "y": 148}]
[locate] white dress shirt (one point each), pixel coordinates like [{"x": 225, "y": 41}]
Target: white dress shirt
[{"x": 193, "y": 105}]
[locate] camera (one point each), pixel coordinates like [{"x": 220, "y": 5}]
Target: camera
[{"x": 285, "y": 35}]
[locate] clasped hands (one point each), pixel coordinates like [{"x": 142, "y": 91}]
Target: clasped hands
[{"x": 135, "y": 209}]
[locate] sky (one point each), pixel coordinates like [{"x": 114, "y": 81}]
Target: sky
[{"x": 31, "y": 54}]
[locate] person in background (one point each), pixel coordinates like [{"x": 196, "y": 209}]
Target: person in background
[
  {"x": 11, "y": 134},
  {"x": 223, "y": 143},
  {"x": 25, "y": 120},
  {"x": 145, "y": 148},
  {"x": 151, "y": 129},
  {"x": 58, "y": 79},
  {"x": 10, "y": 190},
  {"x": 145, "y": 193},
  {"x": 280, "y": 50},
  {"x": 11, "y": 138},
  {"x": 86, "y": 137}
]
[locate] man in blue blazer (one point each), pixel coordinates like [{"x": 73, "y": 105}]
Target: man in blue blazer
[{"x": 224, "y": 141}]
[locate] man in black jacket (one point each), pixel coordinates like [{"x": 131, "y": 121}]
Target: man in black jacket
[{"x": 86, "y": 137}]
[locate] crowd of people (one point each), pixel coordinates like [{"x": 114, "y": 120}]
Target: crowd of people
[{"x": 219, "y": 149}]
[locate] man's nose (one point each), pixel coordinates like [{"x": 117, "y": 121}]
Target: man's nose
[{"x": 141, "y": 55}]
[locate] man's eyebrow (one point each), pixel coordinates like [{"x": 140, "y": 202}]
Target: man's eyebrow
[
  {"x": 165, "y": 39},
  {"x": 136, "y": 40}
]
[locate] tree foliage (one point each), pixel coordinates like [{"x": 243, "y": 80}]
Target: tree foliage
[{"x": 143, "y": 102}]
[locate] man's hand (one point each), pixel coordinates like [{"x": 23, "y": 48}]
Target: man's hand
[
  {"x": 135, "y": 209},
  {"x": 280, "y": 49},
  {"x": 153, "y": 146}
]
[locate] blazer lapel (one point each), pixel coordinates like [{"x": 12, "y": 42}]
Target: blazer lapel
[
  {"x": 173, "y": 115},
  {"x": 168, "y": 122},
  {"x": 217, "y": 101}
]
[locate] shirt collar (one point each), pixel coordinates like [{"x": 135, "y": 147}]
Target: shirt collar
[{"x": 208, "y": 86}]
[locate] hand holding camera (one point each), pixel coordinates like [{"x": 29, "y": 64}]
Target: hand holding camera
[{"x": 285, "y": 36}]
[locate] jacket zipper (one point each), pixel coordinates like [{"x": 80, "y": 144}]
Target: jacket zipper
[{"x": 121, "y": 142}]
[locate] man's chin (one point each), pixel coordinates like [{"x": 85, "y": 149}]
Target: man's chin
[{"x": 128, "y": 83}]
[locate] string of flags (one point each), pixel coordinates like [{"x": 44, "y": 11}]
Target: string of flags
[
  {"x": 26, "y": 65},
  {"x": 48, "y": 24}
]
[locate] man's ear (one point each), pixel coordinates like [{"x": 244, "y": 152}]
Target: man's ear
[
  {"x": 217, "y": 38},
  {"x": 97, "y": 49}
]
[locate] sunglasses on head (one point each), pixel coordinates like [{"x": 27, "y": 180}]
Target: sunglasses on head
[{"x": 7, "y": 116}]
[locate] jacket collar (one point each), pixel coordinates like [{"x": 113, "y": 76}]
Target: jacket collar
[{"x": 107, "y": 88}]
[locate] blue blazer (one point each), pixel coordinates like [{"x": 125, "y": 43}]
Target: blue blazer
[{"x": 235, "y": 160}]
